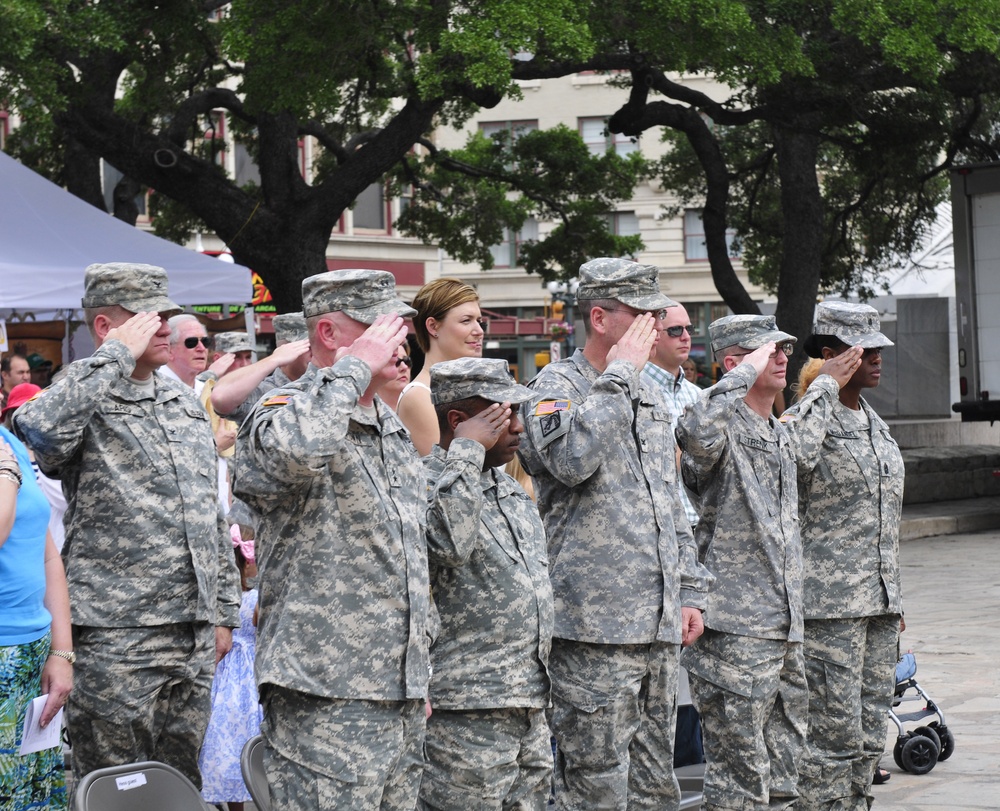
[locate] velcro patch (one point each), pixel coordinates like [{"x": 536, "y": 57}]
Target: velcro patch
[
  {"x": 277, "y": 400},
  {"x": 551, "y": 407}
]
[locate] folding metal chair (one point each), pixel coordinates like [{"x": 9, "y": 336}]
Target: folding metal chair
[
  {"x": 252, "y": 766},
  {"x": 149, "y": 786}
]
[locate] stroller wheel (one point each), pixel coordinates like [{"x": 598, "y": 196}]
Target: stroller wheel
[
  {"x": 919, "y": 754},
  {"x": 946, "y": 738},
  {"x": 932, "y": 734}
]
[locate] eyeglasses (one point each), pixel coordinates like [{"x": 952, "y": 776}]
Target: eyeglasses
[
  {"x": 406, "y": 360},
  {"x": 192, "y": 342},
  {"x": 659, "y": 315},
  {"x": 677, "y": 332},
  {"x": 787, "y": 348}
]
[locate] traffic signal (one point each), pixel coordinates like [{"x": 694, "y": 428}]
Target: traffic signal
[{"x": 558, "y": 308}]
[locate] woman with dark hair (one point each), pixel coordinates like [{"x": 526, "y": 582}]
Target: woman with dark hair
[
  {"x": 448, "y": 326},
  {"x": 850, "y": 479}
]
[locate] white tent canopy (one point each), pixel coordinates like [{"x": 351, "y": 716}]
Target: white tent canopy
[{"x": 48, "y": 236}]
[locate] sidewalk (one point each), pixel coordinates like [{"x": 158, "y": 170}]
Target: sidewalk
[
  {"x": 951, "y": 592},
  {"x": 950, "y": 518}
]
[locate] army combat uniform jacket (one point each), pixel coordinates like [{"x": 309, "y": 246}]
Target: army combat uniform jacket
[
  {"x": 490, "y": 583},
  {"x": 343, "y": 563},
  {"x": 621, "y": 556},
  {"x": 850, "y": 503},
  {"x": 276, "y": 380},
  {"x": 146, "y": 543},
  {"x": 742, "y": 471}
]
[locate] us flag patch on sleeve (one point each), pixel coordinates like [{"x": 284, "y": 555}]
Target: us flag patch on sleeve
[{"x": 551, "y": 407}]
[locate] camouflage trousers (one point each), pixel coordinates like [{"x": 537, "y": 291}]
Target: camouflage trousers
[
  {"x": 344, "y": 754},
  {"x": 851, "y": 671},
  {"x": 490, "y": 760},
  {"x": 613, "y": 714},
  {"x": 141, "y": 694},
  {"x": 752, "y": 697}
]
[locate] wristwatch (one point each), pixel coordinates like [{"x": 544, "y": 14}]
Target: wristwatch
[{"x": 68, "y": 655}]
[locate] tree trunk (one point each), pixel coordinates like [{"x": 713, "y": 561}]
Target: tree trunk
[
  {"x": 802, "y": 237},
  {"x": 81, "y": 173}
]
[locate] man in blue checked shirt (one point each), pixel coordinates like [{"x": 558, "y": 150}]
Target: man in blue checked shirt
[{"x": 664, "y": 371}]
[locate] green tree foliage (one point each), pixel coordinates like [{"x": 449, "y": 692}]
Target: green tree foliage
[
  {"x": 140, "y": 84},
  {"x": 824, "y": 147},
  {"x": 467, "y": 199}
]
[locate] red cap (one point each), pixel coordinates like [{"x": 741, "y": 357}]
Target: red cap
[{"x": 18, "y": 396}]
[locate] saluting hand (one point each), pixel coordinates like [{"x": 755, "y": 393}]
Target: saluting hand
[
  {"x": 136, "y": 333},
  {"x": 378, "y": 344},
  {"x": 760, "y": 357},
  {"x": 636, "y": 345},
  {"x": 843, "y": 366},
  {"x": 487, "y": 426}
]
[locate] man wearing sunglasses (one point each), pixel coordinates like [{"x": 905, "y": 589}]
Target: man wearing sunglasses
[
  {"x": 747, "y": 671},
  {"x": 626, "y": 583},
  {"x": 665, "y": 372},
  {"x": 189, "y": 348}
]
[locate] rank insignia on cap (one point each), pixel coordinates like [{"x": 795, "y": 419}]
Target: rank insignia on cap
[
  {"x": 551, "y": 406},
  {"x": 277, "y": 400}
]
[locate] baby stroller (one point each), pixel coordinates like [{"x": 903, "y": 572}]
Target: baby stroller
[{"x": 918, "y": 751}]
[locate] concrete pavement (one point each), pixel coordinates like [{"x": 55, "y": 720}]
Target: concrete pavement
[{"x": 951, "y": 593}]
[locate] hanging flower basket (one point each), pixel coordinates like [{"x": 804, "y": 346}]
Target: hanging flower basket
[{"x": 560, "y": 330}]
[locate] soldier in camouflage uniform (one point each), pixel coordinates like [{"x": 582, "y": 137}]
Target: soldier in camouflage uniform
[
  {"x": 850, "y": 501},
  {"x": 487, "y": 741},
  {"x": 342, "y": 661},
  {"x": 621, "y": 556},
  {"x": 746, "y": 671},
  {"x": 238, "y": 392},
  {"x": 148, "y": 558}
]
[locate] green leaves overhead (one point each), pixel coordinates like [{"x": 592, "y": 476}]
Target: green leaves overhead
[{"x": 466, "y": 200}]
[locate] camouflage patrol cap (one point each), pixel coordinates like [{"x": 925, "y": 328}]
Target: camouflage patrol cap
[
  {"x": 623, "y": 280},
  {"x": 488, "y": 378},
  {"x": 854, "y": 324},
  {"x": 232, "y": 342},
  {"x": 363, "y": 295},
  {"x": 289, "y": 327},
  {"x": 136, "y": 288},
  {"x": 747, "y": 331}
]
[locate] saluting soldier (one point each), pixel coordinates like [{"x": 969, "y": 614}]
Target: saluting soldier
[
  {"x": 850, "y": 502},
  {"x": 746, "y": 671},
  {"x": 488, "y": 744},
  {"x": 341, "y": 499},
  {"x": 627, "y": 587},
  {"x": 154, "y": 586}
]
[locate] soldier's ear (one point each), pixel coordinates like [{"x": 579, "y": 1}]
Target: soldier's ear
[
  {"x": 456, "y": 418},
  {"x": 326, "y": 333},
  {"x": 102, "y": 326}
]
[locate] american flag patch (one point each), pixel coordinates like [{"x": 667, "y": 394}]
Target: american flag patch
[{"x": 551, "y": 406}]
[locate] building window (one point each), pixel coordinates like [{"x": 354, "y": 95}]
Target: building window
[
  {"x": 594, "y": 132},
  {"x": 370, "y": 209},
  {"x": 245, "y": 167},
  {"x": 507, "y": 253},
  {"x": 695, "y": 249},
  {"x": 514, "y": 129},
  {"x": 623, "y": 223}
]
